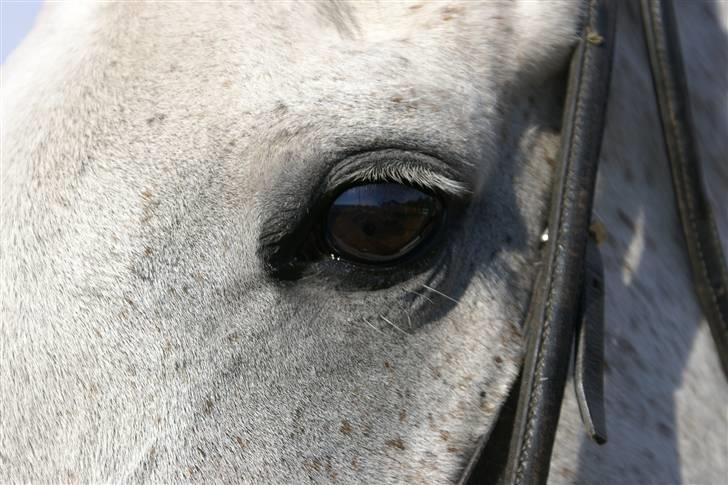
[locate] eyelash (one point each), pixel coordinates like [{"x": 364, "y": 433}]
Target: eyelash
[{"x": 395, "y": 166}]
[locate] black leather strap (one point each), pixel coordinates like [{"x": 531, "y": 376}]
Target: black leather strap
[
  {"x": 560, "y": 302},
  {"x": 707, "y": 262},
  {"x": 555, "y": 308},
  {"x": 556, "y": 302},
  {"x": 589, "y": 350}
]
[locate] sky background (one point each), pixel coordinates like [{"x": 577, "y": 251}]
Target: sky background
[{"x": 16, "y": 19}]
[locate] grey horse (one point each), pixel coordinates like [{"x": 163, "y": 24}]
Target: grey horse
[{"x": 170, "y": 313}]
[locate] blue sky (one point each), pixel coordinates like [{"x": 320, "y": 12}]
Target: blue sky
[{"x": 16, "y": 19}]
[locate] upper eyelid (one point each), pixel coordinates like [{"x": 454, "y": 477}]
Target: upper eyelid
[{"x": 397, "y": 166}]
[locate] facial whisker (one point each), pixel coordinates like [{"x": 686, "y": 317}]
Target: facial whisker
[
  {"x": 441, "y": 293},
  {"x": 375, "y": 328},
  {"x": 392, "y": 324},
  {"x": 421, "y": 295}
]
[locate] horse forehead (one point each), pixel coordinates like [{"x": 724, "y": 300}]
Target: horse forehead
[
  {"x": 264, "y": 50},
  {"x": 343, "y": 19},
  {"x": 260, "y": 38},
  {"x": 241, "y": 66}
]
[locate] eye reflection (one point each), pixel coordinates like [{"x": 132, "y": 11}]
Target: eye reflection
[{"x": 381, "y": 222}]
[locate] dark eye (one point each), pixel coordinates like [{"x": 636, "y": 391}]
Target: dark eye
[{"x": 378, "y": 223}]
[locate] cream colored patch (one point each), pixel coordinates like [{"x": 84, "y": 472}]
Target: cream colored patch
[{"x": 635, "y": 249}]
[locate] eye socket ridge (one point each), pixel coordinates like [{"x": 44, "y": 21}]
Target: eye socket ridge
[{"x": 291, "y": 240}]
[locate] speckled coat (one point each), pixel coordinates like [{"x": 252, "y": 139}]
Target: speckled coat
[{"x": 150, "y": 149}]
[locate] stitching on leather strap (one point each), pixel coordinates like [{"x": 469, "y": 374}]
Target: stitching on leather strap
[
  {"x": 668, "y": 84},
  {"x": 535, "y": 387}
]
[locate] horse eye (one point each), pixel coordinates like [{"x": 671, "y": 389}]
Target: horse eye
[{"x": 380, "y": 222}]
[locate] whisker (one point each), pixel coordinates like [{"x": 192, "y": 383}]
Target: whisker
[
  {"x": 409, "y": 319},
  {"x": 395, "y": 326},
  {"x": 375, "y": 328},
  {"x": 421, "y": 295},
  {"x": 441, "y": 294}
]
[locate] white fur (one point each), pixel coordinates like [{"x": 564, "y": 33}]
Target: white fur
[{"x": 145, "y": 147}]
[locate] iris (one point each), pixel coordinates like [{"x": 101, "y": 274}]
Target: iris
[{"x": 381, "y": 222}]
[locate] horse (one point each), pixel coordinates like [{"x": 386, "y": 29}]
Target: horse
[{"x": 184, "y": 297}]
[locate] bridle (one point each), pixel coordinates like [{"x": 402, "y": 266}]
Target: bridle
[{"x": 566, "y": 307}]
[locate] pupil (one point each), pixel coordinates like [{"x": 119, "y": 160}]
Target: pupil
[
  {"x": 380, "y": 222},
  {"x": 369, "y": 228}
]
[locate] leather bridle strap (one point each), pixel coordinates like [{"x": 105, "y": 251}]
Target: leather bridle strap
[
  {"x": 556, "y": 302},
  {"x": 561, "y": 305},
  {"x": 555, "y": 305},
  {"x": 707, "y": 262}
]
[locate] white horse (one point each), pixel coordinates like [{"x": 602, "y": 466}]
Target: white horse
[{"x": 171, "y": 313}]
